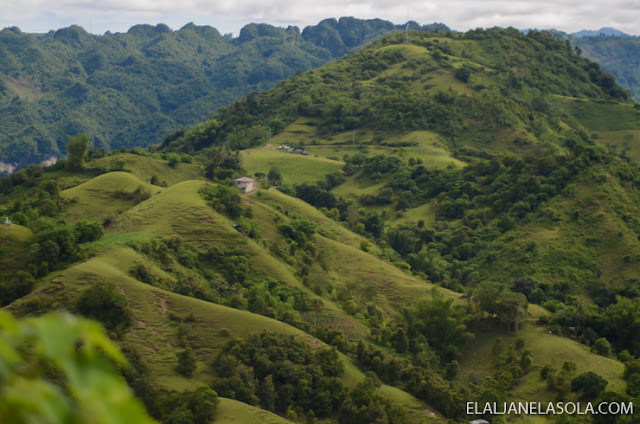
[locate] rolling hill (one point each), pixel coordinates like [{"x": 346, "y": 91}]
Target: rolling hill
[
  {"x": 134, "y": 88},
  {"x": 464, "y": 228}
]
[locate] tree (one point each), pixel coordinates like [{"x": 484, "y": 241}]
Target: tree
[
  {"x": 87, "y": 231},
  {"x": 602, "y": 347},
  {"x": 487, "y": 296},
  {"x": 589, "y": 383},
  {"x": 442, "y": 323},
  {"x": 77, "y": 150},
  {"x": 187, "y": 362},
  {"x": 105, "y": 303},
  {"x": 203, "y": 404},
  {"x": 463, "y": 73},
  {"x": 274, "y": 176},
  {"x": 512, "y": 310}
]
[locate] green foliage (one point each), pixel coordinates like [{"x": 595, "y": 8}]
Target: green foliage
[
  {"x": 278, "y": 372},
  {"x": 274, "y": 177},
  {"x": 403, "y": 93},
  {"x": 463, "y": 73},
  {"x": 224, "y": 199},
  {"x": 624, "y": 49},
  {"x": 16, "y": 286},
  {"x": 363, "y": 405},
  {"x": 85, "y": 386},
  {"x": 442, "y": 323},
  {"x": 602, "y": 347},
  {"x": 589, "y": 384},
  {"x": 187, "y": 362},
  {"x": 87, "y": 231},
  {"x": 77, "y": 150},
  {"x": 505, "y": 306},
  {"x": 133, "y": 88},
  {"x": 103, "y": 302}
]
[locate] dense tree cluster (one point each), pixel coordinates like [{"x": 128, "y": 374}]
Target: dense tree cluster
[{"x": 278, "y": 372}]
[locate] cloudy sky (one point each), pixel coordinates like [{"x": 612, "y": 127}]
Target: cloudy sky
[{"x": 99, "y": 16}]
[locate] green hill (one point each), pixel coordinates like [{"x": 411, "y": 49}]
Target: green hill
[
  {"x": 134, "y": 88},
  {"x": 461, "y": 230},
  {"x": 478, "y": 89},
  {"x": 616, "y": 54}
]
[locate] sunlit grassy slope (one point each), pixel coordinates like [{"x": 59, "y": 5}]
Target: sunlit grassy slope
[
  {"x": 546, "y": 349},
  {"x": 294, "y": 206},
  {"x": 233, "y": 412},
  {"x": 144, "y": 167},
  {"x": 14, "y": 249},
  {"x": 155, "y": 331},
  {"x": 100, "y": 198},
  {"x": 296, "y": 168}
]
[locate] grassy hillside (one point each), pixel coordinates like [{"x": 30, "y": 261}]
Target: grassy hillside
[
  {"x": 302, "y": 169},
  {"x": 234, "y": 412},
  {"x": 100, "y": 197},
  {"x": 460, "y": 231}
]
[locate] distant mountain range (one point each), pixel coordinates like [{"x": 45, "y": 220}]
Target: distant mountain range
[
  {"x": 134, "y": 88},
  {"x": 606, "y": 31}
]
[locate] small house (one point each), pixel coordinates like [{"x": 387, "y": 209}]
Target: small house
[
  {"x": 6, "y": 221},
  {"x": 246, "y": 184}
]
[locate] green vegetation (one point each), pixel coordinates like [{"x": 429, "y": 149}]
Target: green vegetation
[
  {"x": 77, "y": 150},
  {"x": 463, "y": 234},
  {"x": 618, "y": 55},
  {"x": 46, "y": 377},
  {"x": 300, "y": 168},
  {"x": 134, "y": 88}
]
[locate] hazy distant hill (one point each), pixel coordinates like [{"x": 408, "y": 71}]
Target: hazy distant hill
[
  {"x": 606, "y": 31},
  {"x": 134, "y": 88},
  {"x": 619, "y": 55},
  {"x": 616, "y": 51}
]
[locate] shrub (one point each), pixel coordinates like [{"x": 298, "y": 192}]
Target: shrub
[
  {"x": 602, "y": 347},
  {"x": 103, "y": 302},
  {"x": 187, "y": 362},
  {"x": 87, "y": 231},
  {"x": 589, "y": 383}
]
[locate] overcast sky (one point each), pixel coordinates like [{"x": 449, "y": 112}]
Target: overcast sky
[{"x": 99, "y": 16}]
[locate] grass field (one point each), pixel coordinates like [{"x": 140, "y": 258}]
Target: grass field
[
  {"x": 14, "y": 249},
  {"x": 155, "y": 331},
  {"x": 385, "y": 285},
  {"x": 144, "y": 167},
  {"x": 413, "y": 215},
  {"x": 233, "y": 412},
  {"x": 325, "y": 225},
  {"x": 294, "y": 168},
  {"x": 96, "y": 199},
  {"x": 179, "y": 209},
  {"x": 545, "y": 349},
  {"x": 622, "y": 142},
  {"x": 423, "y": 145},
  {"x": 25, "y": 88},
  {"x": 601, "y": 116}
]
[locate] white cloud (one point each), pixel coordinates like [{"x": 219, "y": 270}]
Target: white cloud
[{"x": 228, "y": 16}]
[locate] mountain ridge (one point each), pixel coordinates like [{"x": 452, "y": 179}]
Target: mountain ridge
[{"x": 132, "y": 89}]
